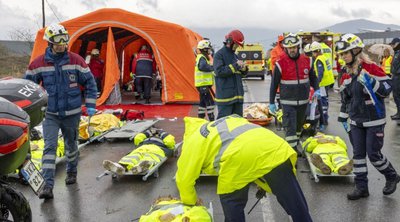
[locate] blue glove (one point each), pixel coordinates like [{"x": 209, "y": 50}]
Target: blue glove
[
  {"x": 322, "y": 128},
  {"x": 91, "y": 111},
  {"x": 364, "y": 78},
  {"x": 272, "y": 108},
  {"x": 345, "y": 126},
  {"x": 317, "y": 94}
]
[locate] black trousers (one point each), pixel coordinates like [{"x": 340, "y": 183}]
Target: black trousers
[
  {"x": 396, "y": 90},
  {"x": 206, "y": 105},
  {"x": 284, "y": 186},
  {"x": 369, "y": 141},
  {"x": 144, "y": 86},
  {"x": 226, "y": 110},
  {"x": 293, "y": 120}
]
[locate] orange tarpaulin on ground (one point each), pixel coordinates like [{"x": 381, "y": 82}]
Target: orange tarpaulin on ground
[{"x": 119, "y": 34}]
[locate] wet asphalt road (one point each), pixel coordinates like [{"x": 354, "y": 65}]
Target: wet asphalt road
[{"x": 129, "y": 197}]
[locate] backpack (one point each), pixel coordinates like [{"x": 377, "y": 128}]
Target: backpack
[{"x": 132, "y": 114}]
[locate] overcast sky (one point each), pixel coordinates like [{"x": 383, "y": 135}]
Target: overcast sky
[{"x": 286, "y": 15}]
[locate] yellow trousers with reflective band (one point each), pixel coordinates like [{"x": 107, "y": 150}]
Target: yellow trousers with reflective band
[
  {"x": 37, "y": 153},
  {"x": 149, "y": 152},
  {"x": 333, "y": 156}
]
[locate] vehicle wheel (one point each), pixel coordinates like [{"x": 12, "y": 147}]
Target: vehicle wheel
[
  {"x": 263, "y": 77},
  {"x": 13, "y": 205}
]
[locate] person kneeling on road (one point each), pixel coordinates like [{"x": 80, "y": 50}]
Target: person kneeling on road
[
  {"x": 329, "y": 154},
  {"x": 152, "y": 146},
  {"x": 227, "y": 147}
]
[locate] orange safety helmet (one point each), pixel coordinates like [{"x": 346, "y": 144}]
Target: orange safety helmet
[
  {"x": 280, "y": 38},
  {"x": 236, "y": 36}
]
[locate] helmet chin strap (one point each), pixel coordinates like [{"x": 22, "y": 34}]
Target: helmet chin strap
[{"x": 353, "y": 56}]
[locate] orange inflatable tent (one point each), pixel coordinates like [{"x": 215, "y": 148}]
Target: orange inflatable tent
[{"x": 119, "y": 34}]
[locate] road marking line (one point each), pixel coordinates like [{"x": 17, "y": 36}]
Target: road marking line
[{"x": 266, "y": 208}]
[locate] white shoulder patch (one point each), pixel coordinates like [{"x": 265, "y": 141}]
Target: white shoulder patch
[{"x": 386, "y": 85}]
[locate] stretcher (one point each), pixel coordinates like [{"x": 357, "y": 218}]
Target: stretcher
[
  {"x": 130, "y": 130},
  {"x": 316, "y": 173},
  {"x": 145, "y": 175}
]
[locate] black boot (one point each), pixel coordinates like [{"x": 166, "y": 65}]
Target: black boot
[
  {"x": 391, "y": 185},
  {"x": 71, "y": 178},
  {"x": 46, "y": 193},
  {"x": 147, "y": 101},
  {"x": 357, "y": 194},
  {"x": 395, "y": 116}
]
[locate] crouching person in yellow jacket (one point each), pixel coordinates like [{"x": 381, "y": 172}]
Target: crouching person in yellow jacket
[
  {"x": 328, "y": 154},
  {"x": 152, "y": 146},
  {"x": 240, "y": 153}
]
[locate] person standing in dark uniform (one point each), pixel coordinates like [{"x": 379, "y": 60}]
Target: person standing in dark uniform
[
  {"x": 365, "y": 85},
  {"x": 229, "y": 71}
]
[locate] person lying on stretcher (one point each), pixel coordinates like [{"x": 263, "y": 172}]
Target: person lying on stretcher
[
  {"x": 328, "y": 154},
  {"x": 152, "y": 146}
]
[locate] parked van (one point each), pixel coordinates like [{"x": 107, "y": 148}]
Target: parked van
[{"x": 253, "y": 55}]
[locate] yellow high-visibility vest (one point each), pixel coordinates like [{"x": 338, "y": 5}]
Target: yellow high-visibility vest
[{"x": 202, "y": 78}]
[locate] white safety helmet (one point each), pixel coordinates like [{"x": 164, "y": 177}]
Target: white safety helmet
[
  {"x": 315, "y": 46},
  {"x": 204, "y": 44},
  {"x": 307, "y": 48},
  {"x": 56, "y": 34},
  {"x": 348, "y": 42},
  {"x": 291, "y": 40}
]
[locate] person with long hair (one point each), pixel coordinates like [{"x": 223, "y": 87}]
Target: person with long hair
[{"x": 365, "y": 85}]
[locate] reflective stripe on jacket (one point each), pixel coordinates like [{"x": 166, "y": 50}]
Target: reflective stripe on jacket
[
  {"x": 202, "y": 77},
  {"x": 228, "y": 147}
]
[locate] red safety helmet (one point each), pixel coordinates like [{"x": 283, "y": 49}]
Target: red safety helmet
[{"x": 236, "y": 36}]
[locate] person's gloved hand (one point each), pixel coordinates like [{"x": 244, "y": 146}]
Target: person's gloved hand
[
  {"x": 345, "y": 126},
  {"x": 317, "y": 94},
  {"x": 132, "y": 75},
  {"x": 272, "y": 108},
  {"x": 260, "y": 193},
  {"x": 365, "y": 78},
  {"x": 91, "y": 111}
]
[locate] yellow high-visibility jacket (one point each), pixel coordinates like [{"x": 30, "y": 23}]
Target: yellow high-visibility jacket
[
  {"x": 237, "y": 151},
  {"x": 161, "y": 209}
]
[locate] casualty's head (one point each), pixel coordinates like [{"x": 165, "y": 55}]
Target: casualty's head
[
  {"x": 395, "y": 43},
  {"x": 234, "y": 39},
  {"x": 95, "y": 52},
  {"x": 291, "y": 44},
  {"x": 57, "y": 37},
  {"x": 204, "y": 46},
  {"x": 349, "y": 47}
]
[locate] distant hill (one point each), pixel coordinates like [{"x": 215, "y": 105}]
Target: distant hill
[
  {"x": 268, "y": 36},
  {"x": 359, "y": 25},
  {"x": 252, "y": 35}
]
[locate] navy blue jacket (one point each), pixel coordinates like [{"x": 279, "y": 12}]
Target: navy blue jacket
[
  {"x": 62, "y": 77},
  {"x": 357, "y": 103},
  {"x": 228, "y": 77}
]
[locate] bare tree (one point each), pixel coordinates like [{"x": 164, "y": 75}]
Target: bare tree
[{"x": 23, "y": 34}]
